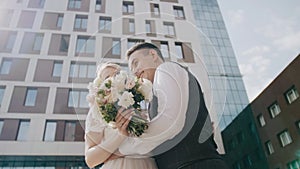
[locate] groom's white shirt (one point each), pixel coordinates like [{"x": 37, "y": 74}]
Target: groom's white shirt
[{"x": 170, "y": 86}]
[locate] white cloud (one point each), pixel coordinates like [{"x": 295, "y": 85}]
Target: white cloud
[
  {"x": 236, "y": 17},
  {"x": 254, "y": 68},
  {"x": 288, "y": 42},
  {"x": 283, "y": 33}
]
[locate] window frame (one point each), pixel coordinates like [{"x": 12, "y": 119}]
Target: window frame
[
  {"x": 269, "y": 147},
  {"x": 81, "y": 96},
  {"x": 74, "y": 4},
  {"x": 105, "y": 23},
  {"x": 283, "y": 137},
  {"x": 38, "y": 42},
  {"x": 6, "y": 65},
  {"x": 81, "y": 22},
  {"x": 261, "y": 120},
  {"x": 73, "y": 128},
  {"x": 2, "y": 92},
  {"x": 177, "y": 11},
  {"x": 292, "y": 91},
  {"x": 45, "y": 131},
  {"x": 128, "y": 7},
  {"x": 169, "y": 29},
  {"x": 179, "y": 52},
  {"x": 21, "y": 131},
  {"x": 54, "y": 71},
  {"x": 274, "y": 110},
  {"x": 77, "y": 67},
  {"x": 87, "y": 43},
  {"x": 31, "y": 102}
]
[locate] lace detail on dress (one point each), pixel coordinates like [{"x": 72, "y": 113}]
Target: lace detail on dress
[{"x": 94, "y": 121}]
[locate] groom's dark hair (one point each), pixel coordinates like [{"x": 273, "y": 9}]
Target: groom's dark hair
[{"x": 144, "y": 45}]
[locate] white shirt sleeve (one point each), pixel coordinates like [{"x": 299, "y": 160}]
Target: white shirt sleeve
[{"x": 171, "y": 89}]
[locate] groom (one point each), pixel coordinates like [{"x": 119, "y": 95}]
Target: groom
[{"x": 180, "y": 131}]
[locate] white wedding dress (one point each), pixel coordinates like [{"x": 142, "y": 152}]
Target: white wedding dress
[{"x": 95, "y": 123}]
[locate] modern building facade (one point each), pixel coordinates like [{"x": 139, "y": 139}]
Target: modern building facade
[
  {"x": 242, "y": 143},
  {"x": 49, "y": 51},
  {"x": 276, "y": 111},
  {"x": 274, "y": 119}
]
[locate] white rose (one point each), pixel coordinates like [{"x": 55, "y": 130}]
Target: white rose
[
  {"x": 126, "y": 99},
  {"x": 119, "y": 81},
  {"x": 115, "y": 95},
  {"x": 97, "y": 81},
  {"x": 146, "y": 89}
]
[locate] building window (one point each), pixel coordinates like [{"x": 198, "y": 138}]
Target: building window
[
  {"x": 105, "y": 23},
  {"x": 59, "y": 20},
  {"x": 70, "y": 127},
  {"x": 294, "y": 164},
  {"x": 31, "y": 97},
  {"x": 154, "y": 10},
  {"x": 98, "y": 5},
  {"x": 285, "y": 138},
  {"x": 179, "y": 52},
  {"x": 240, "y": 137},
  {"x": 2, "y": 90},
  {"x": 261, "y": 120},
  {"x": 74, "y": 4},
  {"x": 23, "y": 130},
  {"x": 178, "y": 12},
  {"x": 274, "y": 110},
  {"x": 148, "y": 27},
  {"x": 1, "y": 126},
  {"x": 5, "y": 66},
  {"x": 11, "y": 41},
  {"x": 52, "y": 21},
  {"x": 81, "y": 22},
  {"x": 248, "y": 161},
  {"x": 38, "y": 40},
  {"x": 297, "y": 124},
  {"x": 132, "y": 42},
  {"x": 237, "y": 165},
  {"x": 164, "y": 47},
  {"x": 85, "y": 44},
  {"x": 291, "y": 95},
  {"x": 128, "y": 7},
  {"x": 57, "y": 69},
  {"x": 26, "y": 19},
  {"x": 64, "y": 43},
  {"x": 269, "y": 147},
  {"x": 131, "y": 26},
  {"x": 116, "y": 47},
  {"x": 77, "y": 99},
  {"x": 169, "y": 29},
  {"x": 36, "y": 3},
  {"x": 82, "y": 70},
  {"x": 50, "y": 131}
]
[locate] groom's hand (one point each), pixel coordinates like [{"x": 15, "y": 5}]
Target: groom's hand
[{"x": 122, "y": 120}]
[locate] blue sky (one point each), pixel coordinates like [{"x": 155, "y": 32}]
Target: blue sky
[{"x": 265, "y": 36}]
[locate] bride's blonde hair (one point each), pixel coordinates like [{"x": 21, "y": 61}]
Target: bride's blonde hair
[{"x": 103, "y": 66}]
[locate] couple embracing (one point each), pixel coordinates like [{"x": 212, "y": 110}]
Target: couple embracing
[{"x": 180, "y": 134}]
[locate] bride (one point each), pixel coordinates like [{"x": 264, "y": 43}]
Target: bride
[{"x": 102, "y": 141}]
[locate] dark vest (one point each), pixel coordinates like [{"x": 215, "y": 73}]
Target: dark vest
[{"x": 195, "y": 142}]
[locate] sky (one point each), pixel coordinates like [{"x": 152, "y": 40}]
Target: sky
[{"x": 265, "y": 36}]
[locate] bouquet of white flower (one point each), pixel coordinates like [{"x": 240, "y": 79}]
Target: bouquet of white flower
[{"x": 122, "y": 90}]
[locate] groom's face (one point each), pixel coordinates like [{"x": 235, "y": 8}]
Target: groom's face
[{"x": 142, "y": 63}]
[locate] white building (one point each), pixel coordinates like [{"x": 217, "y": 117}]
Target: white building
[{"x": 49, "y": 50}]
